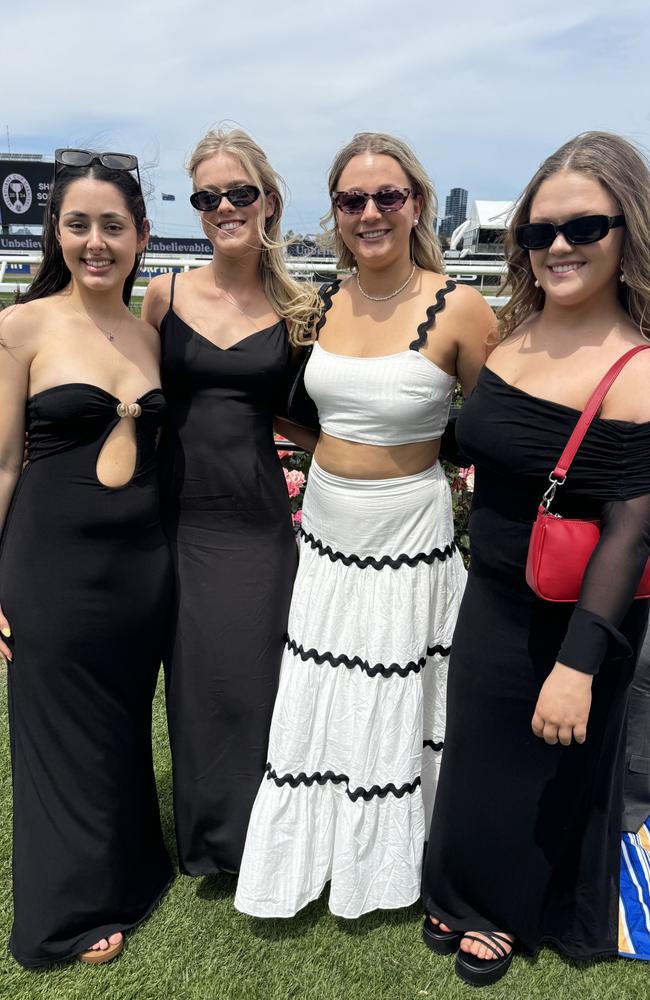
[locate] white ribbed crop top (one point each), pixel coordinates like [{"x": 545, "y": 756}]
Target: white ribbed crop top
[{"x": 394, "y": 399}]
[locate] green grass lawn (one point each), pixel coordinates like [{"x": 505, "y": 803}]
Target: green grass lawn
[{"x": 197, "y": 947}]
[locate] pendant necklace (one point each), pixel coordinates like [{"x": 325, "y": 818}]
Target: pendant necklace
[{"x": 109, "y": 334}]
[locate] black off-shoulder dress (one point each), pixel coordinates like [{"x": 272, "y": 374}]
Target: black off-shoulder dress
[{"x": 525, "y": 836}]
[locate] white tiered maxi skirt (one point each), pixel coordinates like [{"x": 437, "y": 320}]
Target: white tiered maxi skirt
[{"x": 359, "y": 720}]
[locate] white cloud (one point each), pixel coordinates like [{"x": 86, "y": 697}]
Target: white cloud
[{"x": 484, "y": 91}]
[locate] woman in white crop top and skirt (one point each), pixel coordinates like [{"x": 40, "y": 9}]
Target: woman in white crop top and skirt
[{"x": 359, "y": 720}]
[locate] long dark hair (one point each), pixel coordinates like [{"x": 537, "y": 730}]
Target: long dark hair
[{"x": 53, "y": 273}]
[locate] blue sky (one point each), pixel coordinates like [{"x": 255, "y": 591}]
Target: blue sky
[{"x": 483, "y": 91}]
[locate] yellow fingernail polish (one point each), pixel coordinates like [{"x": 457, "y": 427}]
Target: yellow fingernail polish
[{"x": 6, "y": 632}]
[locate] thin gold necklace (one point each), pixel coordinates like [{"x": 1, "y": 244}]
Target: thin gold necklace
[
  {"x": 109, "y": 334},
  {"x": 385, "y": 298}
]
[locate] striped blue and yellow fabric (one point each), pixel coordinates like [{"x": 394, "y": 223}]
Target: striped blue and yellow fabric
[{"x": 634, "y": 909}]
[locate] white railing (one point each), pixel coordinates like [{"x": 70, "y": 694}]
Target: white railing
[{"x": 304, "y": 267}]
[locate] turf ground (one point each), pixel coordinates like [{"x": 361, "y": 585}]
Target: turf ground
[{"x": 197, "y": 947}]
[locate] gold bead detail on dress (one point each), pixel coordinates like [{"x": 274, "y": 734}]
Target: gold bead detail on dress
[{"x": 128, "y": 409}]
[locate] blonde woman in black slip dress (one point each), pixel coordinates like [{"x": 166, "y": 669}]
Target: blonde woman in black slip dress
[
  {"x": 85, "y": 574},
  {"x": 225, "y": 333},
  {"x": 524, "y": 846}
]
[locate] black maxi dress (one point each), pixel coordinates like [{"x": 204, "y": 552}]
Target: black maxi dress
[
  {"x": 85, "y": 582},
  {"x": 227, "y": 516},
  {"x": 525, "y": 836}
]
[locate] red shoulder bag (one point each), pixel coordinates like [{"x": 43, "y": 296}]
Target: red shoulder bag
[{"x": 561, "y": 547}]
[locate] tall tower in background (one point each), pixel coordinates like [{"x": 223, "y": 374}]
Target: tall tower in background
[{"x": 455, "y": 211}]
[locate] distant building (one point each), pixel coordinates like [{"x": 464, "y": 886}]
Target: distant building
[
  {"x": 455, "y": 211},
  {"x": 482, "y": 233}
]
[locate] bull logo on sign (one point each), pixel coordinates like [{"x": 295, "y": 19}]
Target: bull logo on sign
[{"x": 17, "y": 193}]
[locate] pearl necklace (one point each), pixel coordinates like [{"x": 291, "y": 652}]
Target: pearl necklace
[{"x": 385, "y": 298}]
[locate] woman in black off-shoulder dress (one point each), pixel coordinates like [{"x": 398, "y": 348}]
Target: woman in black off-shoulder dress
[
  {"x": 85, "y": 575},
  {"x": 225, "y": 336},
  {"x": 526, "y": 832}
]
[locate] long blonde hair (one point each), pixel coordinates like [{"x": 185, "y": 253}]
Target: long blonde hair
[
  {"x": 296, "y": 302},
  {"x": 623, "y": 171},
  {"x": 425, "y": 248}
]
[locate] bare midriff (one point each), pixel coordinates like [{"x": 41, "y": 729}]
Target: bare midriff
[{"x": 351, "y": 460}]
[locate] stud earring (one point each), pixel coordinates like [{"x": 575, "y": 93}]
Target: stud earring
[{"x": 536, "y": 283}]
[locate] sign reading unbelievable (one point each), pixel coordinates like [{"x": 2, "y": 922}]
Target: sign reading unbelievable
[
  {"x": 157, "y": 245},
  {"x": 24, "y": 189}
]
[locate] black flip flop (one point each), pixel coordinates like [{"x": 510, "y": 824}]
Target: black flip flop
[
  {"x": 442, "y": 942},
  {"x": 485, "y": 971}
]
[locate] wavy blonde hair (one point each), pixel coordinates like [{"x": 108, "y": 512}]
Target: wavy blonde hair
[
  {"x": 296, "y": 302},
  {"x": 425, "y": 248},
  {"x": 623, "y": 171}
]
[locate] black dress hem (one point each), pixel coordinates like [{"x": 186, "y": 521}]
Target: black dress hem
[{"x": 91, "y": 937}]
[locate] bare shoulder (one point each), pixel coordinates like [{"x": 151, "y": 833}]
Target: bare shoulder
[
  {"x": 468, "y": 316},
  {"x": 156, "y": 299},
  {"x": 628, "y": 399},
  {"x": 159, "y": 288},
  {"x": 21, "y": 325},
  {"x": 147, "y": 333},
  {"x": 332, "y": 295},
  {"x": 345, "y": 285},
  {"x": 471, "y": 303}
]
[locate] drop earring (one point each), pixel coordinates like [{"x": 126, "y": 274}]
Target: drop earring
[
  {"x": 415, "y": 222},
  {"x": 621, "y": 276},
  {"x": 536, "y": 283}
]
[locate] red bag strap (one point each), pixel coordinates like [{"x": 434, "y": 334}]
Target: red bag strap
[{"x": 591, "y": 409}]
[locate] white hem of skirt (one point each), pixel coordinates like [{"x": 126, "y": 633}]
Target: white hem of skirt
[{"x": 358, "y": 725}]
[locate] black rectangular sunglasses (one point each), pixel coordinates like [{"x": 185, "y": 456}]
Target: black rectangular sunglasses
[
  {"x": 586, "y": 229},
  {"x": 239, "y": 197},
  {"x": 84, "y": 157}
]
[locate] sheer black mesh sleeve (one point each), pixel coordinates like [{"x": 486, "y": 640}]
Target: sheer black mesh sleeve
[{"x": 609, "y": 585}]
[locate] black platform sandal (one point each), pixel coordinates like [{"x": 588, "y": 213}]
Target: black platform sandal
[
  {"x": 485, "y": 971},
  {"x": 442, "y": 942}
]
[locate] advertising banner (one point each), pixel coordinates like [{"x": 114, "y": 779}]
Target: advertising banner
[
  {"x": 24, "y": 189},
  {"x": 178, "y": 246}
]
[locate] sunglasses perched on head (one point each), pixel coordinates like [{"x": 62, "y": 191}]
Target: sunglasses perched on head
[
  {"x": 84, "y": 157},
  {"x": 239, "y": 197},
  {"x": 586, "y": 229},
  {"x": 386, "y": 200}
]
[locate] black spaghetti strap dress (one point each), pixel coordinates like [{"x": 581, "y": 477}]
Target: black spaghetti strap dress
[
  {"x": 525, "y": 836},
  {"x": 85, "y": 582},
  {"x": 226, "y": 512}
]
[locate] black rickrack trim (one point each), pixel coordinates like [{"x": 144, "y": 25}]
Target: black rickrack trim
[
  {"x": 413, "y": 666},
  {"x": 378, "y": 791},
  {"x": 326, "y": 294},
  {"x": 426, "y": 325},
  {"x": 363, "y": 563},
  {"x": 434, "y": 746}
]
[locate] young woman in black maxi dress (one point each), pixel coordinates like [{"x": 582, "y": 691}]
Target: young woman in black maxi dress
[
  {"x": 225, "y": 332},
  {"x": 525, "y": 836},
  {"x": 85, "y": 574}
]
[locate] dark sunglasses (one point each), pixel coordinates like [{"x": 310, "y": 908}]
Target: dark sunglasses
[
  {"x": 586, "y": 229},
  {"x": 239, "y": 197},
  {"x": 386, "y": 200},
  {"x": 84, "y": 157}
]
